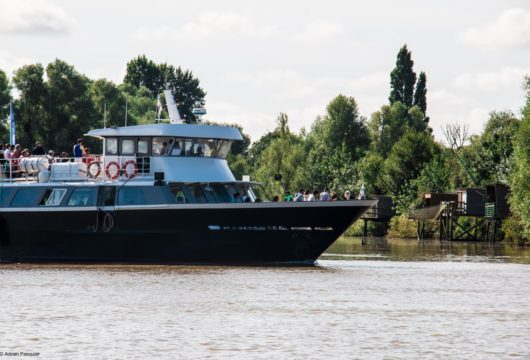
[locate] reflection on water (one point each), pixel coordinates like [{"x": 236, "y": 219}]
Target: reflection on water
[{"x": 427, "y": 250}]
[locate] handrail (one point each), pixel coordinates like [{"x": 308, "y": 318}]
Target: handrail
[{"x": 88, "y": 168}]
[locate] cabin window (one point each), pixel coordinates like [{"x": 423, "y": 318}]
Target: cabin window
[
  {"x": 27, "y": 197},
  {"x": 129, "y": 195},
  {"x": 107, "y": 196},
  {"x": 127, "y": 147},
  {"x": 111, "y": 146},
  {"x": 5, "y": 193},
  {"x": 198, "y": 194},
  {"x": 52, "y": 197},
  {"x": 143, "y": 146},
  {"x": 162, "y": 145},
  {"x": 83, "y": 197}
]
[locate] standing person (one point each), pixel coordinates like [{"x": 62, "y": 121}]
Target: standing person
[
  {"x": 299, "y": 196},
  {"x": 311, "y": 196},
  {"x": 17, "y": 152},
  {"x": 38, "y": 150},
  {"x": 79, "y": 149},
  {"x": 324, "y": 195},
  {"x": 347, "y": 195},
  {"x": 307, "y": 195},
  {"x": 288, "y": 196},
  {"x": 362, "y": 193}
]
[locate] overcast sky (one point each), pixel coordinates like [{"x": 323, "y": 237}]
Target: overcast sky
[{"x": 256, "y": 60}]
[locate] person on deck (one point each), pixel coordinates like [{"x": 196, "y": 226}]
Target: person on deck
[
  {"x": 79, "y": 149},
  {"x": 38, "y": 150}
]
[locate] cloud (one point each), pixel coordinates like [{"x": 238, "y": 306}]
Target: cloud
[
  {"x": 10, "y": 62},
  {"x": 507, "y": 77},
  {"x": 510, "y": 30},
  {"x": 474, "y": 118},
  {"x": 377, "y": 81},
  {"x": 254, "y": 123},
  {"x": 318, "y": 30},
  {"x": 211, "y": 25},
  {"x": 34, "y": 17}
]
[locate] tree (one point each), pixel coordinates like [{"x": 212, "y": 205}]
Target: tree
[
  {"x": 389, "y": 124},
  {"x": 278, "y": 159},
  {"x": 519, "y": 178},
  {"x": 406, "y": 160},
  {"x": 144, "y": 72},
  {"x": 5, "y": 95},
  {"x": 68, "y": 106},
  {"x": 342, "y": 126},
  {"x": 403, "y": 78},
  {"x": 29, "y": 81},
  {"x": 420, "y": 95},
  {"x": 183, "y": 84},
  {"x": 108, "y": 101}
]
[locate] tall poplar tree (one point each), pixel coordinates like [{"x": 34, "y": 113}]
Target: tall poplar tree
[
  {"x": 420, "y": 95},
  {"x": 403, "y": 79}
]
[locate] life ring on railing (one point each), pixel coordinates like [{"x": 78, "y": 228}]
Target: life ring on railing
[
  {"x": 89, "y": 170},
  {"x": 107, "y": 170},
  {"x": 127, "y": 165}
]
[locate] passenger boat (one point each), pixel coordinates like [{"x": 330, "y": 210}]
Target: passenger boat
[{"x": 159, "y": 193}]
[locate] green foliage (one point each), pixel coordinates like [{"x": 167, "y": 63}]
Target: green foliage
[
  {"x": 519, "y": 178},
  {"x": 107, "y": 96},
  {"x": 5, "y": 96},
  {"x": 369, "y": 171},
  {"x": 403, "y": 78},
  {"x": 404, "y": 164},
  {"x": 420, "y": 94},
  {"x": 389, "y": 124},
  {"x": 142, "y": 72}
]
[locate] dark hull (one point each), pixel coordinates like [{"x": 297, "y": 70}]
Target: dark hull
[{"x": 219, "y": 233}]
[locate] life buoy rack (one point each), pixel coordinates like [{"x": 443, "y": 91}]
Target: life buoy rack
[
  {"x": 90, "y": 169},
  {"x": 117, "y": 171},
  {"x": 126, "y": 165}
]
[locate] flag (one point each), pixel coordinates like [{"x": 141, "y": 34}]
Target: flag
[
  {"x": 158, "y": 107},
  {"x": 11, "y": 124}
]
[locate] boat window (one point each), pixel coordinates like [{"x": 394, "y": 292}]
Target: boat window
[
  {"x": 27, "y": 197},
  {"x": 83, "y": 197},
  {"x": 52, "y": 197},
  {"x": 107, "y": 195},
  {"x": 198, "y": 194},
  {"x": 180, "y": 196},
  {"x": 143, "y": 146},
  {"x": 5, "y": 193},
  {"x": 221, "y": 194},
  {"x": 130, "y": 195},
  {"x": 176, "y": 150},
  {"x": 127, "y": 147},
  {"x": 162, "y": 145},
  {"x": 111, "y": 146}
]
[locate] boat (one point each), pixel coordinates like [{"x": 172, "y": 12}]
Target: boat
[{"x": 159, "y": 193}]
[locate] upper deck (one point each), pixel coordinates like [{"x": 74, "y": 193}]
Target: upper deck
[{"x": 178, "y": 152}]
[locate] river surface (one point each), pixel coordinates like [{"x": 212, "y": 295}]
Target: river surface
[{"x": 388, "y": 299}]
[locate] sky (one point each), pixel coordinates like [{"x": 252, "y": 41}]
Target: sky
[{"x": 257, "y": 59}]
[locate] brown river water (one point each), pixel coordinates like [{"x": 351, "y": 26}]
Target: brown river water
[{"x": 388, "y": 299}]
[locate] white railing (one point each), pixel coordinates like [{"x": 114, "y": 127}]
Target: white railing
[{"x": 90, "y": 168}]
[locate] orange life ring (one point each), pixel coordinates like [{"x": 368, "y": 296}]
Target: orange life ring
[
  {"x": 124, "y": 167},
  {"x": 107, "y": 170},
  {"x": 90, "y": 174}
]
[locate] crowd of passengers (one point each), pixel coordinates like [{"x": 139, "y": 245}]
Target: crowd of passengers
[
  {"x": 10, "y": 155},
  {"x": 316, "y": 195}
]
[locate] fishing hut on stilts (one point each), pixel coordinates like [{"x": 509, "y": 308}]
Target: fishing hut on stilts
[{"x": 381, "y": 213}]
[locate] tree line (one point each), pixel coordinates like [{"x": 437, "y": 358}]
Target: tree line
[{"x": 392, "y": 152}]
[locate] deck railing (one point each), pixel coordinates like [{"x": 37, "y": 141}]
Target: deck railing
[{"x": 89, "y": 168}]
